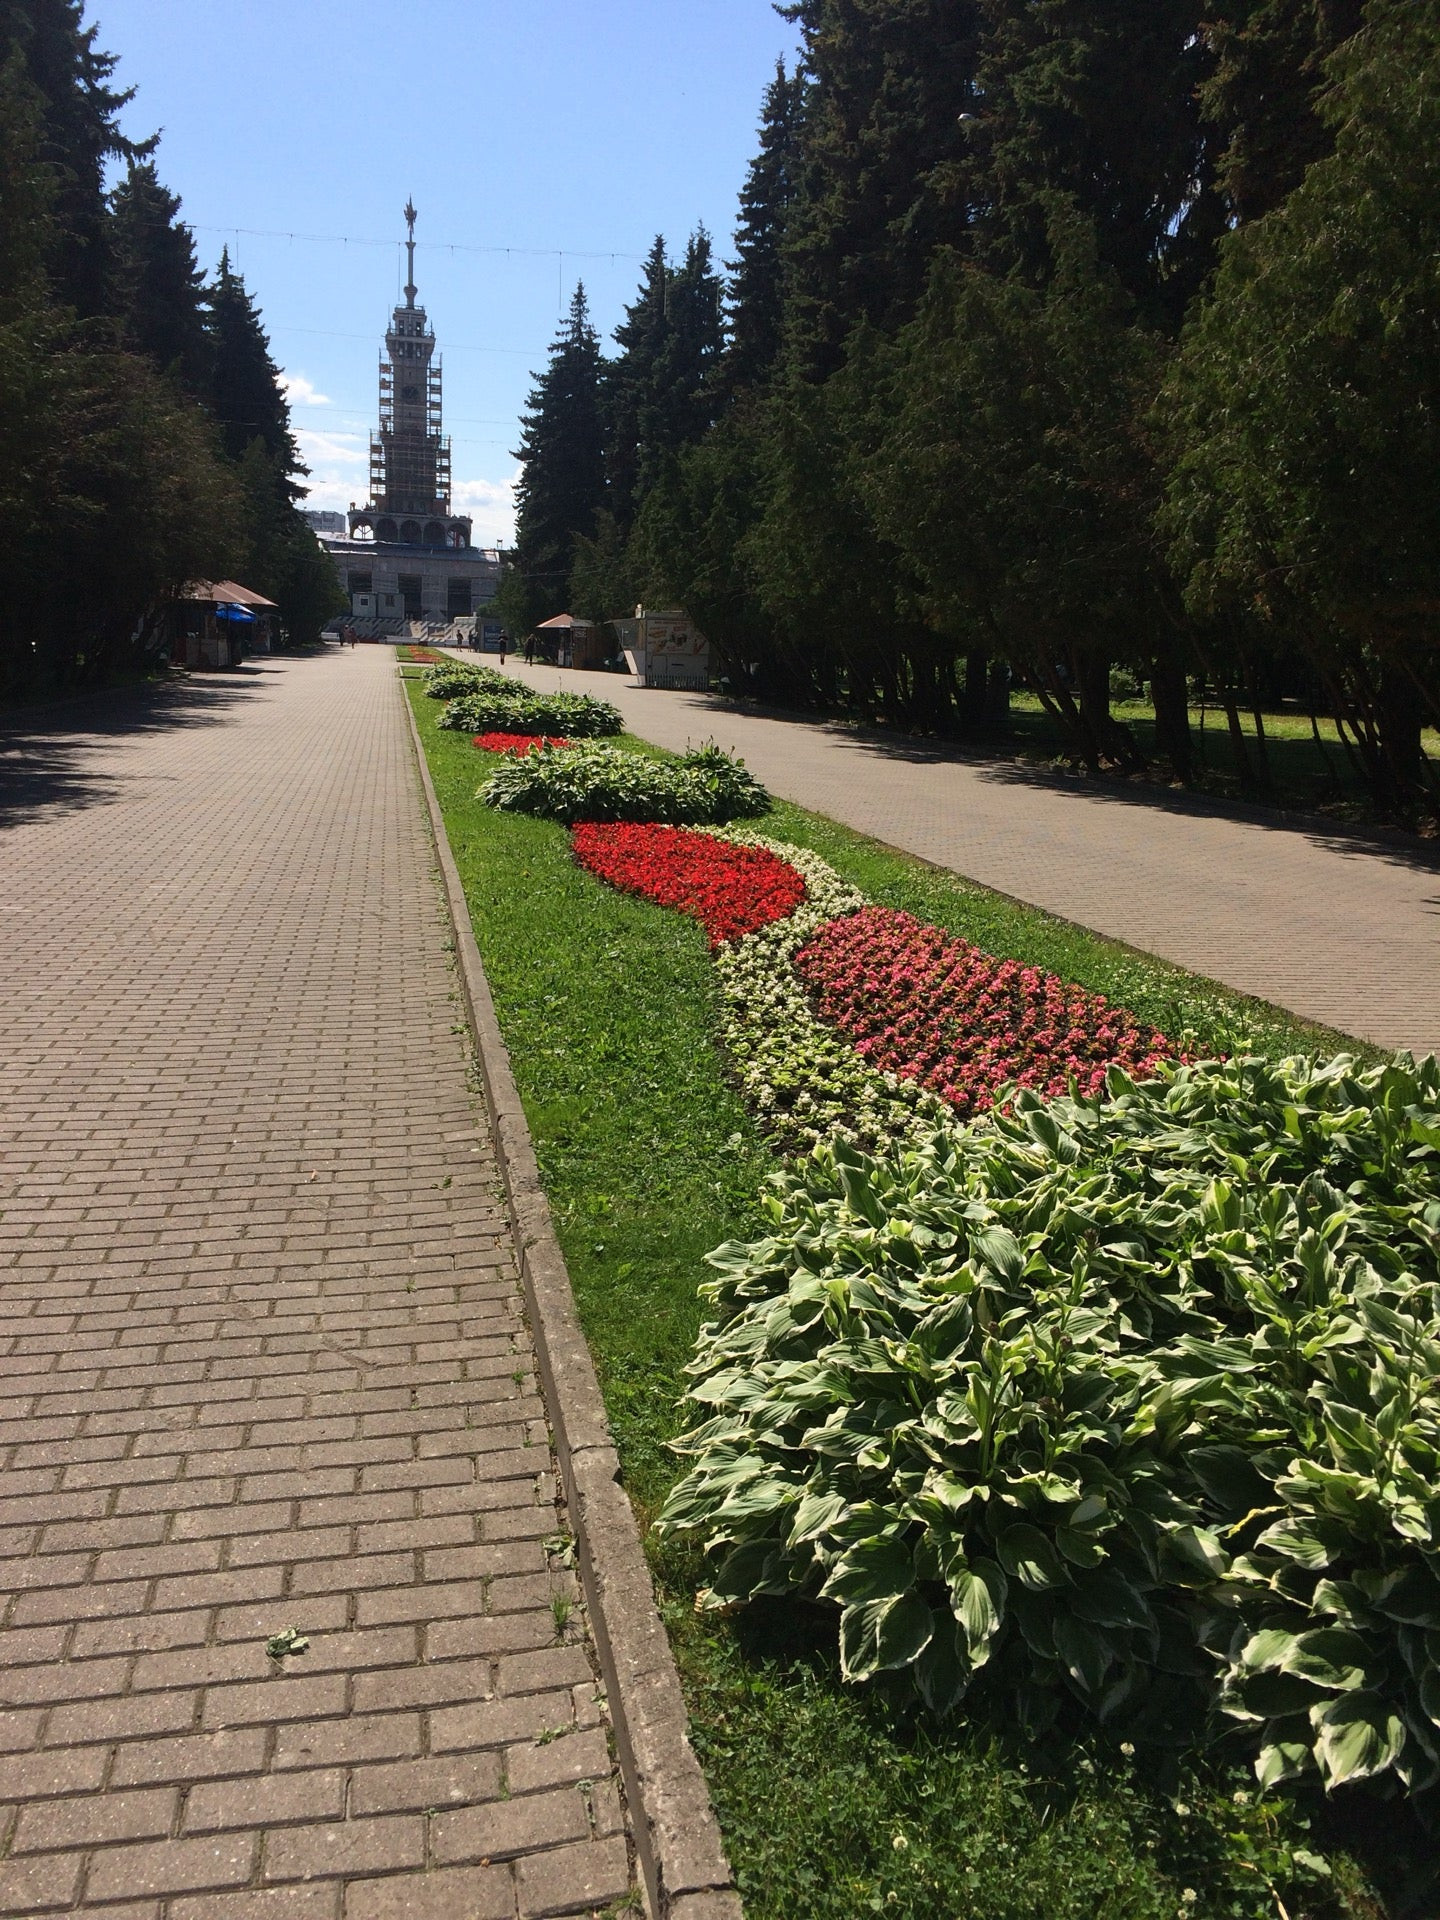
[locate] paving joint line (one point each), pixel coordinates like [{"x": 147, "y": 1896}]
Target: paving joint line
[{"x": 677, "y": 1836}]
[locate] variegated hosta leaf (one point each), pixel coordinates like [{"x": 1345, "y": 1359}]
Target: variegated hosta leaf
[{"x": 1134, "y": 1400}]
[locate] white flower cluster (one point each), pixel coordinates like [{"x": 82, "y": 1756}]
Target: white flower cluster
[{"x": 803, "y": 1079}]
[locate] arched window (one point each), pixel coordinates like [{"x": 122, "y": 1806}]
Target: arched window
[
  {"x": 434, "y": 534},
  {"x": 410, "y": 531},
  {"x": 385, "y": 530}
]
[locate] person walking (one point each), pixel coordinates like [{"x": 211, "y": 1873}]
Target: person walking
[
  {"x": 504, "y": 642},
  {"x": 529, "y": 649}
]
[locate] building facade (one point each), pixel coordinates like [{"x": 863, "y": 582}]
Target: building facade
[{"x": 405, "y": 556}]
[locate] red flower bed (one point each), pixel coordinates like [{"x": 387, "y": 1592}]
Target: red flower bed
[
  {"x": 517, "y": 743},
  {"x": 730, "y": 890},
  {"x": 920, "y": 1003},
  {"x": 424, "y": 655}
]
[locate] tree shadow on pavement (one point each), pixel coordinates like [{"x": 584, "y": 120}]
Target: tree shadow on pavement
[
  {"x": 47, "y": 753},
  {"x": 994, "y": 763}
]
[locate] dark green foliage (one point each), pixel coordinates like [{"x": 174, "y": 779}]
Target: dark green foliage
[
  {"x": 702, "y": 788},
  {"x": 1090, "y": 105},
  {"x": 1267, "y": 67},
  {"x": 112, "y": 492},
  {"x": 755, "y": 304},
  {"x": 659, "y": 391},
  {"x": 882, "y": 161},
  {"x": 1008, "y": 468},
  {"x": 78, "y": 131},
  {"x": 157, "y": 289},
  {"x": 1304, "y": 412},
  {"x": 562, "y": 484},
  {"x": 245, "y": 393}
]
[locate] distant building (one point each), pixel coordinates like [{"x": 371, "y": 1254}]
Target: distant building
[
  {"x": 406, "y": 556},
  {"x": 324, "y": 519}
]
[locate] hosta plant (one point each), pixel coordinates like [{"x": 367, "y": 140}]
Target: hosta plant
[
  {"x": 455, "y": 677},
  {"x": 607, "y": 783},
  {"x": 509, "y": 708},
  {"x": 1128, "y": 1403}
]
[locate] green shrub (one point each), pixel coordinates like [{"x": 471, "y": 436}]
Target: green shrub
[
  {"x": 508, "y": 708},
  {"x": 452, "y": 678},
  {"x": 1131, "y": 1404},
  {"x": 703, "y": 788}
]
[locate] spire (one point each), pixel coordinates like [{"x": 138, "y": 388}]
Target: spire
[{"x": 410, "y": 252}]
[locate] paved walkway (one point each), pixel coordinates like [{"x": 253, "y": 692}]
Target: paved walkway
[
  {"x": 262, "y": 1359},
  {"x": 1338, "y": 928}
]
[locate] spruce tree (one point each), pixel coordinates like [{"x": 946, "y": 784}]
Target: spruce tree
[
  {"x": 1268, "y": 67},
  {"x": 1092, "y": 103},
  {"x": 245, "y": 392},
  {"x": 158, "y": 291},
  {"x": 886, "y": 84},
  {"x": 755, "y": 298},
  {"x": 1304, "y": 408},
  {"x": 628, "y": 391},
  {"x": 79, "y": 132},
  {"x": 562, "y": 482}
]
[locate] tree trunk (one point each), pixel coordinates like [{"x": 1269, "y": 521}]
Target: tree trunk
[{"x": 1172, "y": 713}]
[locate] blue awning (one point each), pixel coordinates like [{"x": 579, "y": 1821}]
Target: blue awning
[{"x": 228, "y": 611}]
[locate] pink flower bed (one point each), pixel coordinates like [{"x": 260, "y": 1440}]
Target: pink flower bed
[
  {"x": 929, "y": 1007},
  {"x": 730, "y": 890},
  {"x": 517, "y": 743}
]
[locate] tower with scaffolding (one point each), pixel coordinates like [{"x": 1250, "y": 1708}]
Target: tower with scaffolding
[{"x": 409, "y": 452}]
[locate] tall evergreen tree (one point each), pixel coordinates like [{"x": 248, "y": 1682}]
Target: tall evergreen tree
[
  {"x": 755, "y": 299},
  {"x": 883, "y": 151},
  {"x": 684, "y": 395},
  {"x": 1304, "y": 409},
  {"x": 661, "y": 389},
  {"x": 629, "y": 383},
  {"x": 562, "y": 480},
  {"x": 158, "y": 290},
  {"x": 1093, "y": 102},
  {"x": 245, "y": 392},
  {"x": 79, "y": 132},
  {"x": 1268, "y": 67}
]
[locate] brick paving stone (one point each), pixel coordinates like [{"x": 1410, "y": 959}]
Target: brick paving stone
[
  {"x": 259, "y": 1330},
  {"x": 1338, "y": 927}
]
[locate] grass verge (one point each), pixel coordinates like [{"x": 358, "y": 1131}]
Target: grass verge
[{"x": 834, "y": 1803}]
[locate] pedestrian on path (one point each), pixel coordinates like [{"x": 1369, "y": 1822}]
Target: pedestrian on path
[
  {"x": 529, "y": 649},
  {"x": 504, "y": 642}
]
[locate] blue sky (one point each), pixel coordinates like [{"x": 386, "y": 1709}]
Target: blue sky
[{"x": 531, "y": 136}]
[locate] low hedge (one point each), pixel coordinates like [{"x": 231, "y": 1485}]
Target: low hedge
[
  {"x": 508, "y": 708},
  {"x": 1130, "y": 1404},
  {"x": 703, "y": 788}
]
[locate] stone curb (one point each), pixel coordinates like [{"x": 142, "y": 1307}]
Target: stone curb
[{"x": 677, "y": 1837}]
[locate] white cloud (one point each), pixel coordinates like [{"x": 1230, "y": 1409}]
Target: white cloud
[
  {"x": 301, "y": 392},
  {"x": 339, "y": 467},
  {"x": 491, "y": 504}
]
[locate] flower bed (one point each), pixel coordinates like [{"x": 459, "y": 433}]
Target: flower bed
[
  {"x": 517, "y": 743},
  {"x": 920, "y": 1003},
  {"x": 425, "y": 655},
  {"x": 731, "y": 890}
]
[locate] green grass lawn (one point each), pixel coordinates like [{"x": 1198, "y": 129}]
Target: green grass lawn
[{"x": 834, "y": 1803}]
